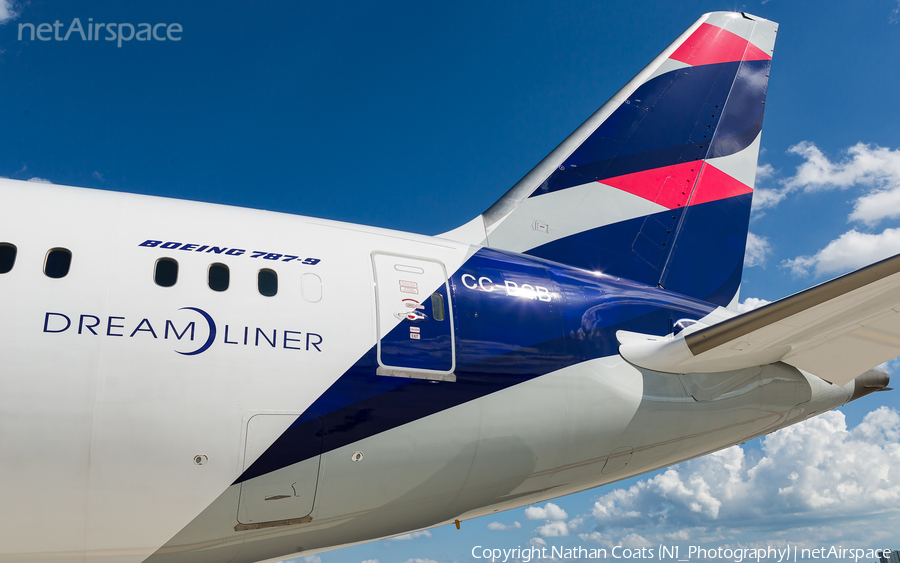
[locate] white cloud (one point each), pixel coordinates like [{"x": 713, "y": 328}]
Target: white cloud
[
  {"x": 8, "y": 11},
  {"x": 39, "y": 180},
  {"x": 850, "y": 251},
  {"x": 553, "y": 529},
  {"x": 371, "y": 561},
  {"x": 559, "y": 528},
  {"x": 555, "y": 521},
  {"x": 630, "y": 541},
  {"x": 576, "y": 524},
  {"x": 764, "y": 172},
  {"x": 868, "y": 165},
  {"x": 751, "y": 303},
  {"x": 758, "y": 248},
  {"x": 420, "y": 560},
  {"x": 412, "y": 536},
  {"x": 872, "y": 208},
  {"x": 891, "y": 366},
  {"x": 550, "y": 511},
  {"x": 595, "y": 537},
  {"x": 635, "y": 541},
  {"x": 500, "y": 526},
  {"x": 881, "y": 426},
  {"x": 806, "y": 477},
  {"x": 876, "y": 169},
  {"x": 312, "y": 559},
  {"x": 764, "y": 198}
]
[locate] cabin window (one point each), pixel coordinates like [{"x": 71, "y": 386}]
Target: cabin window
[
  {"x": 7, "y": 257},
  {"x": 437, "y": 306},
  {"x": 218, "y": 277},
  {"x": 165, "y": 273},
  {"x": 267, "y": 282},
  {"x": 311, "y": 287},
  {"x": 57, "y": 263}
]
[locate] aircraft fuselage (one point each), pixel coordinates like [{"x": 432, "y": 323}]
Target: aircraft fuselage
[{"x": 392, "y": 382}]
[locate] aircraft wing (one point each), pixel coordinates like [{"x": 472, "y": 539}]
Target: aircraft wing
[{"x": 835, "y": 330}]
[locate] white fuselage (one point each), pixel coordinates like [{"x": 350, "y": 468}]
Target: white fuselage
[{"x": 115, "y": 447}]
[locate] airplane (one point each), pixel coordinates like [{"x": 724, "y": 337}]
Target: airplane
[{"x": 188, "y": 382}]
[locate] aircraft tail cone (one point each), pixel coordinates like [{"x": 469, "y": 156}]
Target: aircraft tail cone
[{"x": 872, "y": 381}]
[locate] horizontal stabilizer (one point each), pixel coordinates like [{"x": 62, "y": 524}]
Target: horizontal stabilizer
[{"x": 835, "y": 330}]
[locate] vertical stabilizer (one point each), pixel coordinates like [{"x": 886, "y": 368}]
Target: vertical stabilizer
[{"x": 656, "y": 185}]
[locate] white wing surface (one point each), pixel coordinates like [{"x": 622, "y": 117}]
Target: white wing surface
[{"x": 836, "y": 330}]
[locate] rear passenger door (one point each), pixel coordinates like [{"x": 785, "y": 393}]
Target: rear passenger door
[{"x": 414, "y": 317}]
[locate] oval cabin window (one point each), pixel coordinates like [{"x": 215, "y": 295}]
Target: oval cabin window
[
  {"x": 218, "y": 277},
  {"x": 165, "y": 273},
  {"x": 7, "y": 257},
  {"x": 57, "y": 263},
  {"x": 267, "y": 282}
]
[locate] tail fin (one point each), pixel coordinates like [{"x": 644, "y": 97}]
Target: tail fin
[{"x": 656, "y": 185}]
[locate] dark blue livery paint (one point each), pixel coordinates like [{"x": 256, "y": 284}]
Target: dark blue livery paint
[
  {"x": 672, "y": 119},
  {"x": 212, "y": 332},
  {"x": 705, "y": 261},
  {"x": 501, "y": 341},
  {"x": 684, "y": 115},
  {"x": 421, "y": 344},
  {"x": 656, "y": 269}
]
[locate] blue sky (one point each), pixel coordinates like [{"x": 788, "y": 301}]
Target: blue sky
[{"x": 417, "y": 116}]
